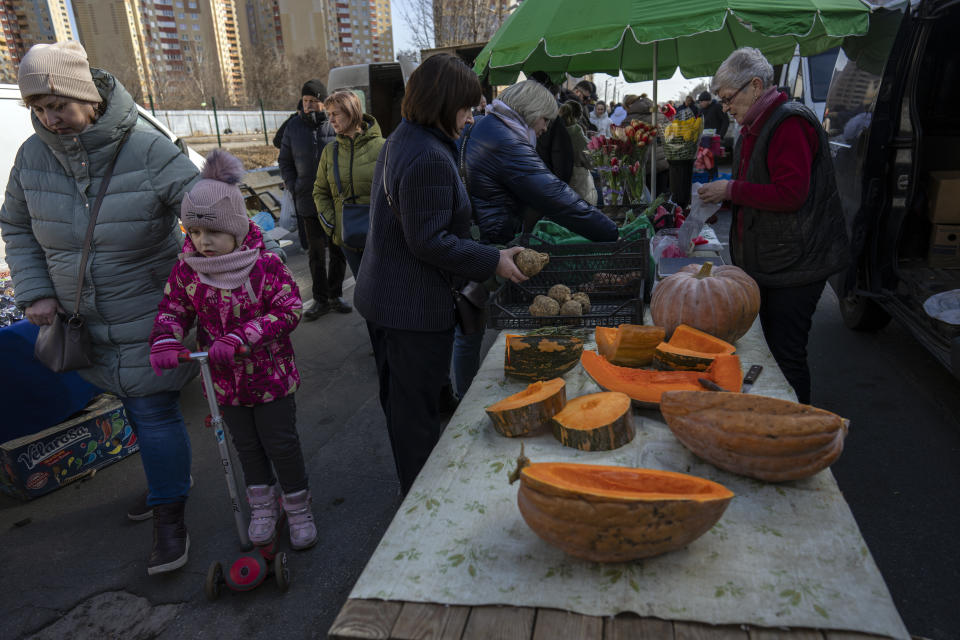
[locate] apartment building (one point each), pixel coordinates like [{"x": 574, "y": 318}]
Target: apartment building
[
  {"x": 168, "y": 49},
  {"x": 260, "y": 25},
  {"x": 24, "y": 23},
  {"x": 360, "y": 31}
]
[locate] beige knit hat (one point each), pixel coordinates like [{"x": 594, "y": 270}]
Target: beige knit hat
[{"x": 59, "y": 69}]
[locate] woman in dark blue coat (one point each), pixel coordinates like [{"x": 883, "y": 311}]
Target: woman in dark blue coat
[
  {"x": 511, "y": 188},
  {"x": 419, "y": 247}
]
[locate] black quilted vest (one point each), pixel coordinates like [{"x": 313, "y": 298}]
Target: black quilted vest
[{"x": 786, "y": 249}]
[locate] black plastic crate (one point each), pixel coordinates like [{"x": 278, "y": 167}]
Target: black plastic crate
[{"x": 615, "y": 283}]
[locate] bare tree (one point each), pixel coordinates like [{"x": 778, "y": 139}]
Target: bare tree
[
  {"x": 309, "y": 64},
  {"x": 267, "y": 77},
  {"x": 418, "y": 14}
]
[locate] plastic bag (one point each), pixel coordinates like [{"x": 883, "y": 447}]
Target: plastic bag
[
  {"x": 700, "y": 212},
  {"x": 288, "y": 212},
  {"x": 665, "y": 244}
]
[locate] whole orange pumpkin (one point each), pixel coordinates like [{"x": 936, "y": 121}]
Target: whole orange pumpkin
[{"x": 722, "y": 301}]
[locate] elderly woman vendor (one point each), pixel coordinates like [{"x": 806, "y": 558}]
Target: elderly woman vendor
[{"x": 788, "y": 230}]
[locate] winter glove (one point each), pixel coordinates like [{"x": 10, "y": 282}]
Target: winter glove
[
  {"x": 163, "y": 354},
  {"x": 224, "y": 349}
]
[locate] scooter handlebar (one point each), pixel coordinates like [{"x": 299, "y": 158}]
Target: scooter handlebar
[{"x": 185, "y": 356}]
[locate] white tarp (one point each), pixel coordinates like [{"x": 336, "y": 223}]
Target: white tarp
[{"x": 784, "y": 555}]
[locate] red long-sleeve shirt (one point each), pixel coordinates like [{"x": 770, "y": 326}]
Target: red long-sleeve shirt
[{"x": 789, "y": 163}]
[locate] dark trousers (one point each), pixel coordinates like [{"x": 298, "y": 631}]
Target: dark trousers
[
  {"x": 327, "y": 281},
  {"x": 786, "y": 315},
  {"x": 412, "y": 367},
  {"x": 264, "y": 434}
]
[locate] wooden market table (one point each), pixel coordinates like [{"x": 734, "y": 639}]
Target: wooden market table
[{"x": 402, "y": 609}]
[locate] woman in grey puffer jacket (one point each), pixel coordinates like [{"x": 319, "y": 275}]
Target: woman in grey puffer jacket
[{"x": 82, "y": 118}]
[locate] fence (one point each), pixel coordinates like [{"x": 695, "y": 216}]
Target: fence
[{"x": 201, "y": 121}]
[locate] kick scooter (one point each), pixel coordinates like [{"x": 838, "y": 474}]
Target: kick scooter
[{"x": 249, "y": 570}]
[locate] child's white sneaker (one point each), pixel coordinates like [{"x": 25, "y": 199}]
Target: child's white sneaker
[
  {"x": 303, "y": 531},
  {"x": 264, "y": 501}
]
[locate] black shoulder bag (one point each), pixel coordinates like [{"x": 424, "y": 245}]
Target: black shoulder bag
[
  {"x": 65, "y": 345},
  {"x": 470, "y": 300},
  {"x": 355, "y": 219}
]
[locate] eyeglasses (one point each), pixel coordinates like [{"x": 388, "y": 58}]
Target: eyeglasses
[{"x": 726, "y": 101}]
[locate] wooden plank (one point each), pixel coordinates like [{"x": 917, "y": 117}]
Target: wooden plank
[
  {"x": 425, "y": 621},
  {"x": 785, "y": 634},
  {"x": 856, "y": 635},
  {"x": 554, "y": 623},
  {"x": 700, "y": 631},
  {"x": 500, "y": 623},
  {"x": 365, "y": 619},
  {"x": 630, "y": 626}
]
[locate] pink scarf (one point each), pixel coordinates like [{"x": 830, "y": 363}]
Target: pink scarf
[
  {"x": 760, "y": 107},
  {"x": 228, "y": 271}
]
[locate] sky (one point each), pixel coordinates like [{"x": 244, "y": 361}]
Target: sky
[{"x": 666, "y": 89}]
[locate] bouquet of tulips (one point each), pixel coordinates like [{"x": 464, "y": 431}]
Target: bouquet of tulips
[{"x": 620, "y": 159}]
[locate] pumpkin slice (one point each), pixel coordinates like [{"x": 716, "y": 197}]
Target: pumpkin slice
[
  {"x": 689, "y": 349},
  {"x": 616, "y": 514},
  {"x": 539, "y": 357},
  {"x": 595, "y": 422},
  {"x": 528, "y": 410},
  {"x": 645, "y": 386},
  {"x": 628, "y": 345},
  {"x": 764, "y": 438}
]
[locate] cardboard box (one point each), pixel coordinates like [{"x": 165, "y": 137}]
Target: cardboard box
[
  {"x": 43, "y": 462},
  {"x": 944, "y": 193},
  {"x": 944, "y": 246}
]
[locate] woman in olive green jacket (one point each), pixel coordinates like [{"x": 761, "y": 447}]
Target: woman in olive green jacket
[{"x": 358, "y": 145}]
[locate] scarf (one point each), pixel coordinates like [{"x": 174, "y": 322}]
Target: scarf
[
  {"x": 513, "y": 120},
  {"x": 760, "y": 107},
  {"x": 228, "y": 271}
]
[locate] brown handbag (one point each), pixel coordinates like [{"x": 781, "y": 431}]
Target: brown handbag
[{"x": 65, "y": 345}]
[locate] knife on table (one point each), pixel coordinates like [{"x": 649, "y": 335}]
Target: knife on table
[{"x": 752, "y": 374}]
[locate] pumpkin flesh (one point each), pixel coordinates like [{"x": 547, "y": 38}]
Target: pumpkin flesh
[
  {"x": 646, "y": 386},
  {"x": 529, "y": 410},
  {"x": 628, "y": 345},
  {"x": 764, "y": 438},
  {"x": 535, "y": 357},
  {"x": 595, "y": 422},
  {"x": 617, "y": 514},
  {"x": 689, "y": 349}
]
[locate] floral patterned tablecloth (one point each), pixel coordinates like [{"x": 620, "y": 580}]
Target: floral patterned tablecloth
[{"x": 782, "y": 555}]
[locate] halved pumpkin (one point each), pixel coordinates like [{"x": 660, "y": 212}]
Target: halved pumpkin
[
  {"x": 645, "y": 386},
  {"x": 616, "y": 514},
  {"x": 528, "y": 410},
  {"x": 628, "y": 345},
  {"x": 765, "y": 438},
  {"x": 595, "y": 422},
  {"x": 689, "y": 349},
  {"x": 539, "y": 357}
]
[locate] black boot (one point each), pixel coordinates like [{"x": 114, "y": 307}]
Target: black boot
[{"x": 170, "y": 540}]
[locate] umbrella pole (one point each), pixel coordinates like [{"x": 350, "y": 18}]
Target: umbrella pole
[{"x": 653, "y": 121}]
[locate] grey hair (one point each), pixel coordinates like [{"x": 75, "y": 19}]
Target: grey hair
[
  {"x": 740, "y": 67},
  {"x": 531, "y": 100}
]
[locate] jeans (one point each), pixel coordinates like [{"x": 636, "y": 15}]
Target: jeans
[
  {"x": 266, "y": 433},
  {"x": 164, "y": 445},
  {"x": 786, "y": 315},
  {"x": 466, "y": 359},
  {"x": 353, "y": 260},
  {"x": 412, "y": 367}
]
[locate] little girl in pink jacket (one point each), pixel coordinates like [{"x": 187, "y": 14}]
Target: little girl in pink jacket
[{"x": 240, "y": 295}]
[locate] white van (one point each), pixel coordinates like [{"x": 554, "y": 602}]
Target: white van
[
  {"x": 807, "y": 78},
  {"x": 17, "y": 127}
]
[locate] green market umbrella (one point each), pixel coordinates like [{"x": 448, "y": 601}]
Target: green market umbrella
[
  {"x": 637, "y": 36},
  {"x": 650, "y": 39}
]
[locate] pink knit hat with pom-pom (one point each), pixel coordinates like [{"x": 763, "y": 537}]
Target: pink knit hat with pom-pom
[{"x": 215, "y": 202}]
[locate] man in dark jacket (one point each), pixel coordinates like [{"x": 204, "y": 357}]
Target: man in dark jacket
[
  {"x": 713, "y": 115},
  {"x": 304, "y": 138}
]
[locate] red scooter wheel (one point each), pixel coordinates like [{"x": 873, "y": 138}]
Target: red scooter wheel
[{"x": 246, "y": 572}]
